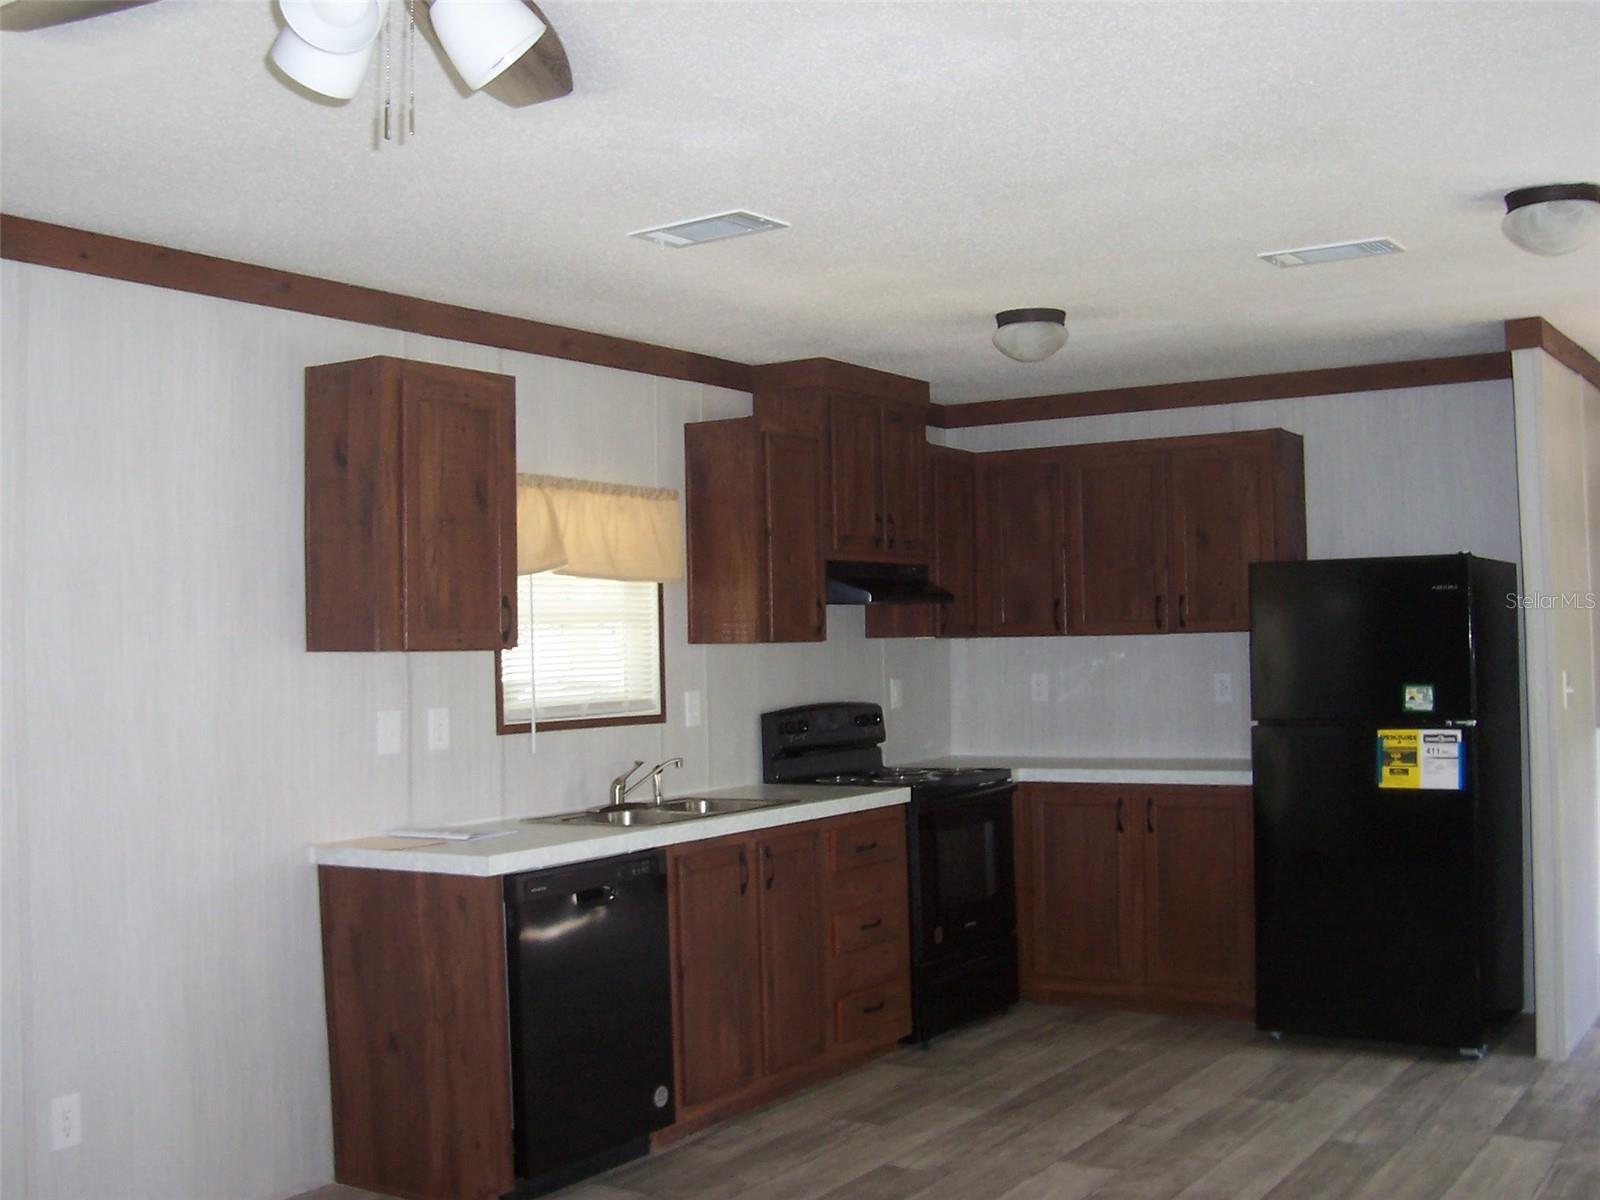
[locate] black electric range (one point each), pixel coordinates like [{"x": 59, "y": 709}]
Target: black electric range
[{"x": 959, "y": 855}]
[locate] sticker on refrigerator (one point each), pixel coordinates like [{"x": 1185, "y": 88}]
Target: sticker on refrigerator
[
  {"x": 1418, "y": 697},
  {"x": 1425, "y": 759}
]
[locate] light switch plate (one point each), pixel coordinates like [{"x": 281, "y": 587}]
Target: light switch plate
[
  {"x": 1222, "y": 687},
  {"x": 438, "y": 729},
  {"x": 694, "y": 709},
  {"x": 896, "y": 694},
  {"x": 388, "y": 735},
  {"x": 1041, "y": 687}
]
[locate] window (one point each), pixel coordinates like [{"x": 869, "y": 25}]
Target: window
[{"x": 588, "y": 652}]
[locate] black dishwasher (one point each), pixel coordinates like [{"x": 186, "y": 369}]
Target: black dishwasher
[{"x": 591, "y": 1016}]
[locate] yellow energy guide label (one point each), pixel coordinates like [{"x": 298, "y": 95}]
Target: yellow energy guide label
[{"x": 1427, "y": 759}]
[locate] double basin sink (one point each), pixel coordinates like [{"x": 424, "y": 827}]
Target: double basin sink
[{"x": 658, "y": 814}]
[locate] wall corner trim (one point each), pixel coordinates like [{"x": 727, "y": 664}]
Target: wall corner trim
[{"x": 1525, "y": 333}]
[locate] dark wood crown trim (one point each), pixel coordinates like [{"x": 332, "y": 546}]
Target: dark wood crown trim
[
  {"x": 1370, "y": 377},
  {"x": 45, "y": 245},
  {"x": 1530, "y": 332},
  {"x": 841, "y": 376}
]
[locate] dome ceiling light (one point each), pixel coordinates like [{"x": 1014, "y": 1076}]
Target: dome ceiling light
[
  {"x": 1030, "y": 334},
  {"x": 1556, "y": 218}
]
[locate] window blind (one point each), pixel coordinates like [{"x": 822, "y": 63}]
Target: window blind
[{"x": 586, "y": 648}]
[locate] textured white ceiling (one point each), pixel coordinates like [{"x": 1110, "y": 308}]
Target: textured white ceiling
[{"x": 937, "y": 162}]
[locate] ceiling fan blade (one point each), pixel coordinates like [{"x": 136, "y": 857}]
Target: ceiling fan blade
[
  {"x": 41, "y": 14},
  {"x": 541, "y": 74}
]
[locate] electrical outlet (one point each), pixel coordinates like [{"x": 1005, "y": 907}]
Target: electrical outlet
[
  {"x": 66, "y": 1122},
  {"x": 1041, "y": 688},
  {"x": 388, "y": 736},
  {"x": 1222, "y": 688},
  {"x": 694, "y": 709},
  {"x": 438, "y": 729},
  {"x": 896, "y": 694}
]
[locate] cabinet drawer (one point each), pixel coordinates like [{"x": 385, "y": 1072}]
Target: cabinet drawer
[
  {"x": 867, "y": 843},
  {"x": 869, "y": 925},
  {"x": 875, "y": 1014},
  {"x": 867, "y": 967},
  {"x": 868, "y": 885}
]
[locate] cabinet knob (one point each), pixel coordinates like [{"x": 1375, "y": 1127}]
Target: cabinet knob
[
  {"x": 891, "y": 531},
  {"x": 1160, "y": 604},
  {"x": 1149, "y": 814},
  {"x": 1119, "y": 815},
  {"x": 877, "y": 529},
  {"x": 821, "y": 616},
  {"x": 508, "y": 623},
  {"x": 1183, "y": 609},
  {"x": 744, "y": 872}
]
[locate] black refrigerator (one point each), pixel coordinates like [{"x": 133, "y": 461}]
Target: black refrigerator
[{"x": 1387, "y": 756}]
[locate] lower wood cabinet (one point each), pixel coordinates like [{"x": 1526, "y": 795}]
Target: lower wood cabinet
[
  {"x": 790, "y": 958},
  {"x": 1137, "y": 895}
]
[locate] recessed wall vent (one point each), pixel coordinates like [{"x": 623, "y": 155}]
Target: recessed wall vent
[
  {"x": 709, "y": 229},
  {"x": 1310, "y": 256}
]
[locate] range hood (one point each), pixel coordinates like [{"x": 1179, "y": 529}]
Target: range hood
[{"x": 883, "y": 583}]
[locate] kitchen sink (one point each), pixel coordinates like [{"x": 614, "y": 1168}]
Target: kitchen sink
[
  {"x": 685, "y": 809},
  {"x": 705, "y": 806}
]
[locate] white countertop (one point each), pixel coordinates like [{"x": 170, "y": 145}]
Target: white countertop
[
  {"x": 529, "y": 847},
  {"x": 1026, "y": 769}
]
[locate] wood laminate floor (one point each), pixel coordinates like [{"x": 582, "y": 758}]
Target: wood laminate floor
[{"x": 1068, "y": 1104}]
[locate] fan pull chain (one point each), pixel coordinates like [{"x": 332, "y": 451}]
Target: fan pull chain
[
  {"x": 411, "y": 64},
  {"x": 388, "y": 79}
]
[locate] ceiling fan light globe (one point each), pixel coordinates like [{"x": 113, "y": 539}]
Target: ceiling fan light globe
[
  {"x": 1030, "y": 335},
  {"x": 337, "y": 76},
  {"x": 484, "y": 37},
  {"x": 337, "y": 26}
]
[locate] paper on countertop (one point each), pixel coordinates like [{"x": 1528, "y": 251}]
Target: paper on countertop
[{"x": 444, "y": 833}]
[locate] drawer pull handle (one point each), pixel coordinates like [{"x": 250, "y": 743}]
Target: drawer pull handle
[
  {"x": 872, "y": 1008},
  {"x": 864, "y": 847},
  {"x": 872, "y": 924}
]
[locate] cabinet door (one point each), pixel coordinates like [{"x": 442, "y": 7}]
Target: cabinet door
[
  {"x": 792, "y": 482},
  {"x": 727, "y": 544},
  {"x": 458, "y": 502},
  {"x": 955, "y": 517},
  {"x": 1117, "y": 549},
  {"x": 795, "y": 1012},
  {"x": 1199, "y": 890},
  {"x": 1216, "y": 535},
  {"x": 905, "y": 469},
  {"x": 1021, "y": 539},
  {"x": 1080, "y": 914},
  {"x": 717, "y": 945},
  {"x": 855, "y": 460}
]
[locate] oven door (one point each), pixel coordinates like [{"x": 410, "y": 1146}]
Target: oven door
[{"x": 963, "y": 888}]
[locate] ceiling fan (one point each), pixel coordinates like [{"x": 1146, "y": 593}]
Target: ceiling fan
[{"x": 503, "y": 47}]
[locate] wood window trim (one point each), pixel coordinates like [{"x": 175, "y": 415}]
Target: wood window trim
[{"x": 501, "y": 726}]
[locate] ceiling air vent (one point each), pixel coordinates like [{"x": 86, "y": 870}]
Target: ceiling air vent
[
  {"x": 709, "y": 229},
  {"x": 1309, "y": 256}
]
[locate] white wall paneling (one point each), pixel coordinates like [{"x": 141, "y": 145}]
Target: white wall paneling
[
  {"x": 171, "y": 749},
  {"x": 1558, "y": 436},
  {"x": 1417, "y": 471}
]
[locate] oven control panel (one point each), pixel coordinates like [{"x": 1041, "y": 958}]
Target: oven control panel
[{"x": 833, "y": 730}]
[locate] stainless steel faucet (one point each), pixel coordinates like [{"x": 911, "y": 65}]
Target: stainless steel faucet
[
  {"x": 655, "y": 776},
  {"x": 620, "y": 787}
]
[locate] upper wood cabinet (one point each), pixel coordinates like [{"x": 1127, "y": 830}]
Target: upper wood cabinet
[
  {"x": 1161, "y": 534},
  {"x": 874, "y": 431},
  {"x": 754, "y": 515},
  {"x": 951, "y": 502},
  {"x": 410, "y": 507},
  {"x": 1020, "y": 560},
  {"x": 1116, "y": 542}
]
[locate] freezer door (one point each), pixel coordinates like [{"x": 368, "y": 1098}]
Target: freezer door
[
  {"x": 1366, "y": 898},
  {"x": 1351, "y": 639}
]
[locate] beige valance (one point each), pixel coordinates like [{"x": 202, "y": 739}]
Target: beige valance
[{"x": 598, "y": 530}]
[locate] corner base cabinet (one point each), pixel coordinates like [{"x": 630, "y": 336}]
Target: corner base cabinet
[{"x": 1137, "y": 896}]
